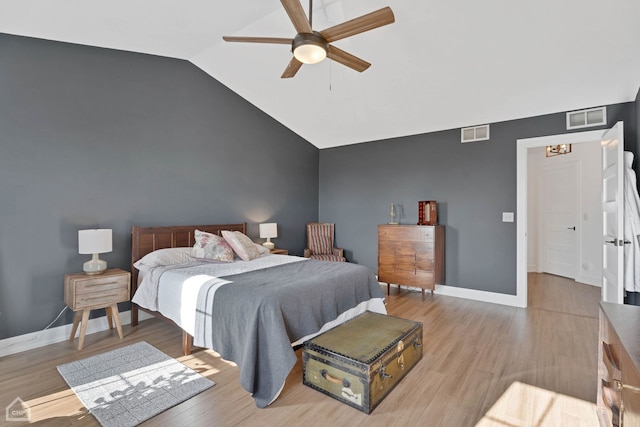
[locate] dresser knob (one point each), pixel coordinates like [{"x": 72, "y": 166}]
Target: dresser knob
[{"x": 620, "y": 385}]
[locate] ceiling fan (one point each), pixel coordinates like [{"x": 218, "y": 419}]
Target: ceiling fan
[{"x": 311, "y": 47}]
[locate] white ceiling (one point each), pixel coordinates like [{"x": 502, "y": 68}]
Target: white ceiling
[{"x": 441, "y": 65}]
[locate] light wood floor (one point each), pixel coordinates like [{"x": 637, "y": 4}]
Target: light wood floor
[{"x": 483, "y": 365}]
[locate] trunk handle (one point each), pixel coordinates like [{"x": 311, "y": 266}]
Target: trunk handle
[{"x": 327, "y": 376}]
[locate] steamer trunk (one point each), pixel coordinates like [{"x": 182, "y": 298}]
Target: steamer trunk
[{"x": 360, "y": 361}]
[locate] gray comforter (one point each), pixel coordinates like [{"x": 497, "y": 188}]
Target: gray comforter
[{"x": 254, "y": 319}]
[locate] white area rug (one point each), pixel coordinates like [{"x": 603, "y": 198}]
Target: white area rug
[{"x": 127, "y": 386}]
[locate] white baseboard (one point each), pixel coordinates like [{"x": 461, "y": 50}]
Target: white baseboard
[
  {"x": 60, "y": 333},
  {"x": 472, "y": 294},
  {"x": 484, "y": 296}
]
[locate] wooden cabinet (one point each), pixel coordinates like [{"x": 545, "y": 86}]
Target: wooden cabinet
[
  {"x": 411, "y": 255},
  {"x": 618, "y": 399},
  {"x": 83, "y": 293}
]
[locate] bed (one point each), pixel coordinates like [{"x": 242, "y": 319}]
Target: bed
[{"x": 250, "y": 312}]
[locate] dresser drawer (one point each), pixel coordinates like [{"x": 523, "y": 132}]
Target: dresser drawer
[
  {"x": 401, "y": 233},
  {"x": 413, "y": 263},
  {"x": 419, "y": 278},
  {"x": 414, "y": 249},
  {"x": 385, "y": 272},
  {"x": 389, "y": 248}
]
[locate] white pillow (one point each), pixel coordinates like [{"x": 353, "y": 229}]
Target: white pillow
[
  {"x": 167, "y": 256},
  {"x": 209, "y": 247},
  {"x": 243, "y": 246},
  {"x": 262, "y": 249}
]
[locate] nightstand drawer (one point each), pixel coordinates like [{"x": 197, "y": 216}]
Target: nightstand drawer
[
  {"x": 101, "y": 299},
  {"x": 82, "y": 291},
  {"x": 278, "y": 251},
  {"x": 102, "y": 284}
]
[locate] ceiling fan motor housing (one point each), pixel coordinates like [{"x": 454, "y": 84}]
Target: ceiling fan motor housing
[{"x": 309, "y": 48}]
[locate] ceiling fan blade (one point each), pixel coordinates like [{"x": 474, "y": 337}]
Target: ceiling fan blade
[
  {"x": 347, "y": 59},
  {"x": 359, "y": 25},
  {"x": 276, "y": 40},
  {"x": 292, "y": 68},
  {"x": 296, "y": 14}
]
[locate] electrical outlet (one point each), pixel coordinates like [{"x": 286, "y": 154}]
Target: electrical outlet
[{"x": 507, "y": 216}]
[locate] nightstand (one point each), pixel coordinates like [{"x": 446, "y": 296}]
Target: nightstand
[
  {"x": 83, "y": 293},
  {"x": 279, "y": 251}
]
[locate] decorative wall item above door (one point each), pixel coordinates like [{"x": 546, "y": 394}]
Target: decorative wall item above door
[{"x": 312, "y": 47}]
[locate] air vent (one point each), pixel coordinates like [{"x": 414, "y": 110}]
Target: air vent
[
  {"x": 476, "y": 133},
  {"x": 586, "y": 118}
]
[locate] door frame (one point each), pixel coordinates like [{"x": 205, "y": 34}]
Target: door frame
[{"x": 522, "y": 148}]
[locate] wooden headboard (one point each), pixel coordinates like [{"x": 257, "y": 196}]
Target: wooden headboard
[{"x": 146, "y": 240}]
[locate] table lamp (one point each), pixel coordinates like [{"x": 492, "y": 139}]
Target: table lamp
[
  {"x": 94, "y": 242},
  {"x": 267, "y": 231}
]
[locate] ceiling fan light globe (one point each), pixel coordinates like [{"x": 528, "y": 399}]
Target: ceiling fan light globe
[
  {"x": 309, "y": 48},
  {"x": 310, "y": 54}
]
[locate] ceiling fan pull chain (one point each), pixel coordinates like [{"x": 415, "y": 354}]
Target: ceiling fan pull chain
[{"x": 330, "y": 74}]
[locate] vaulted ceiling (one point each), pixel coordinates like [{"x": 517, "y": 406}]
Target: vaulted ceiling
[{"x": 441, "y": 65}]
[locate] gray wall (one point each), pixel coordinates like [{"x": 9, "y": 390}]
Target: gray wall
[
  {"x": 93, "y": 137},
  {"x": 473, "y": 184}
]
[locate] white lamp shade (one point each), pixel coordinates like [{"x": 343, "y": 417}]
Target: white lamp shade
[
  {"x": 268, "y": 230},
  {"x": 94, "y": 241}
]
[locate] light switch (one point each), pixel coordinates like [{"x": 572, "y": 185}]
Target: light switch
[{"x": 507, "y": 216}]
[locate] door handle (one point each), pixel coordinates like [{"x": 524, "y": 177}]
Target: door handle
[
  {"x": 613, "y": 242},
  {"x": 572, "y": 228}
]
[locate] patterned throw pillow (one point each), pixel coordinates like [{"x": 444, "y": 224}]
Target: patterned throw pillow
[
  {"x": 211, "y": 247},
  {"x": 241, "y": 244}
]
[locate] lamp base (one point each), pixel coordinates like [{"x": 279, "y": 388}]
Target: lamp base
[
  {"x": 269, "y": 245},
  {"x": 94, "y": 266}
]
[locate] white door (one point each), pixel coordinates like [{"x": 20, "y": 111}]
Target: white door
[
  {"x": 613, "y": 210},
  {"x": 559, "y": 218}
]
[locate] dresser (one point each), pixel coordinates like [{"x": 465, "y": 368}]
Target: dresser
[
  {"x": 411, "y": 255},
  {"x": 618, "y": 399}
]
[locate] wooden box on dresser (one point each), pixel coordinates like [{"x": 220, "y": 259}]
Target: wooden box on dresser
[
  {"x": 411, "y": 255},
  {"x": 618, "y": 399}
]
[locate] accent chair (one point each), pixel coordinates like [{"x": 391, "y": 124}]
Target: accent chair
[{"x": 320, "y": 243}]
